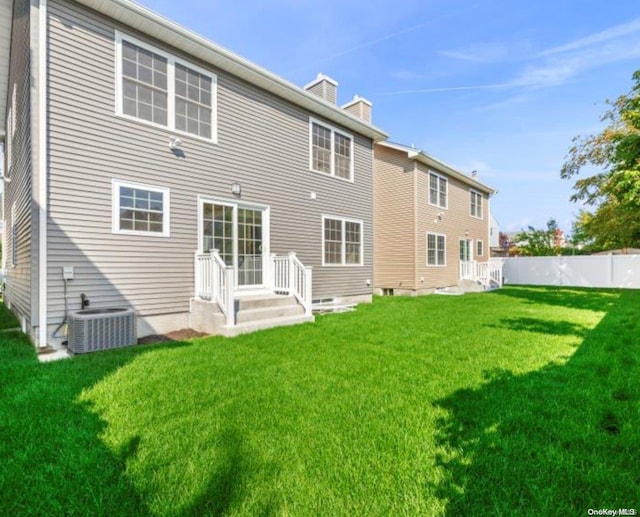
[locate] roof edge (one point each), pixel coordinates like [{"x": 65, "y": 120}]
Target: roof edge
[
  {"x": 432, "y": 161},
  {"x": 173, "y": 34}
]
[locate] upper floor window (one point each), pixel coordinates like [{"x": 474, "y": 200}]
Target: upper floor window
[
  {"x": 342, "y": 241},
  {"x": 437, "y": 190},
  {"x": 476, "y": 204},
  {"x": 158, "y": 88},
  {"x": 140, "y": 209},
  {"x": 331, "y": 151}
]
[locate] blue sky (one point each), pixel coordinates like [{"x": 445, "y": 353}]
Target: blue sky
[{"x": 491, "y": 85}]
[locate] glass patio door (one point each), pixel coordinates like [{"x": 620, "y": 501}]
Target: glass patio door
[
  {"x": 465, "y": 250},
  {"x": 250, "y": 257},
  {"x": 237, "y": 232}
]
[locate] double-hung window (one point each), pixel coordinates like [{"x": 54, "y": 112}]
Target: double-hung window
[
  {"x": 479, "y": 248},
  {"x": 476, "y": 204},
  {"x": 157, "y": 88},
  {"x": 331, "y": 151},
  {"x": 437, "y": 190},
  {"x": 436, "y": 249},
  {"x": 342, "y": 242},
  {"x": 140, "y": 210}
]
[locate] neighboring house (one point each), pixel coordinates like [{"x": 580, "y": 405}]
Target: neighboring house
[
  {"x": 134, "y": 147},
  {"x": 431, "y": 222}
]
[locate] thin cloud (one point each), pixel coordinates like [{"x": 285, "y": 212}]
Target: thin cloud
[
  {"x": 615, "y": 32},
  {"x": 449, "y": 89},
  {"x": 376, "y": 41},
  {"x": 479, "y": 53}
]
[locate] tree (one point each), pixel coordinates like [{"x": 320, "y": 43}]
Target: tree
[
  {"x": 614, "y": 192},
  {"x": 538, "y": 242}
]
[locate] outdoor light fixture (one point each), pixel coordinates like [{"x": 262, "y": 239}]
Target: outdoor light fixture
[
  {"x": 236, "y": 189},
  {"x": 175, "y": 143}
]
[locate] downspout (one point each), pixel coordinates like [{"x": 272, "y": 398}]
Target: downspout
[{"x": 42, "y": 172}]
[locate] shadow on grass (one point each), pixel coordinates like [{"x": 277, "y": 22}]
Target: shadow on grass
[
  {"x": 543, "y": 326},
  {"x": 556, "y": 441},
  {"x": 52, "y": 460},
  {"x": 571, "y": 297}
]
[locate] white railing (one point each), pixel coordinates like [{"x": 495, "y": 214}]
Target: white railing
[
  {"x": 290, "y": 276},
  {"x": 487, "y": 273},
  {"x": 214, "y": 282}
]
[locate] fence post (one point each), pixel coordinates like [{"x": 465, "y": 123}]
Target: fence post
[{"x": 610, "y": 272}]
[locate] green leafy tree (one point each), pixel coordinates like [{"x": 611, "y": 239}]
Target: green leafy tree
[
  {"x": 614, "y": 192},
  {"x": 538, "y": 241}
]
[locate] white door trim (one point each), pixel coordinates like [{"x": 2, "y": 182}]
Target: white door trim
[{"x": 266, "y": 236}]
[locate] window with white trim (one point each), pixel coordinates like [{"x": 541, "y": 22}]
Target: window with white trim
[
  {"x": 479, "y": 248},
  {"x": 159, "y": 89},
  {"x": 436, "y": 249},
  {"x": 331, "y": 151},
  {"x": 476, "y": 204},
  {"x": 438, "y": 186},
  {"x": 140, "y": 210},
  {"x": 341, "y": 242}
]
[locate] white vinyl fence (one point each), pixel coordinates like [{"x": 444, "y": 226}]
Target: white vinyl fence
[{"x": 578, "y": 271}]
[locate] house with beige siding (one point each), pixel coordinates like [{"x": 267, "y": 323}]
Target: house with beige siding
[
  {"x": 149, "y": 168},
  {"x": 431, "y": 224}
]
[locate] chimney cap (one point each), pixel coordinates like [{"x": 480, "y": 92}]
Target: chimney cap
[
  {"x": 319, "y": 78},
  {"x": 356, "y": 99}
]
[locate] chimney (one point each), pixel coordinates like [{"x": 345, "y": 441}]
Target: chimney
[
  {"x": 325, "y": 87},
  {"x": 360, "y": 107}
]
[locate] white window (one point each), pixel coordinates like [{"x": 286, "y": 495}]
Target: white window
[
  {"x": 436, "y": 249},
  {"x": 479, "y": 248},
  {"x": 158, "y": 88},
  {"x": 476, "y": 204},
  {"x": 331, "y": 151},
  {"x": 140, "y": 209},
  {"x": 437, "y": 190},
  {"x": 341, "y": 242}
]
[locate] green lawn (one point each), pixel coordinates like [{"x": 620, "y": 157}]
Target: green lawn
[{"x": 521, "y": 401}]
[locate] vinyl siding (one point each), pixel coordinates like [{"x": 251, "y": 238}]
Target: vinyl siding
[
  {"x": 19, "y": 191},
  {"x": 394, "y": 259},
  {"x": 403, "y": 216},
  {"x": 263, "y": 143},
  {"x": 455, "y": 222}
]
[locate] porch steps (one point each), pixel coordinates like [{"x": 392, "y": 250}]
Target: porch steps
[{"x": 252, "y": 313}]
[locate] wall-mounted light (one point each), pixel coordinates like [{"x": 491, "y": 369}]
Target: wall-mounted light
[
  {"x": 466, "y": 233},
  {"x": 175, "y": 143},
  {"x": 236, "y": 189}
]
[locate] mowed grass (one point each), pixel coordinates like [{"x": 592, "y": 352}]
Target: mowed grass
[{"x": 522, "y": 401}]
